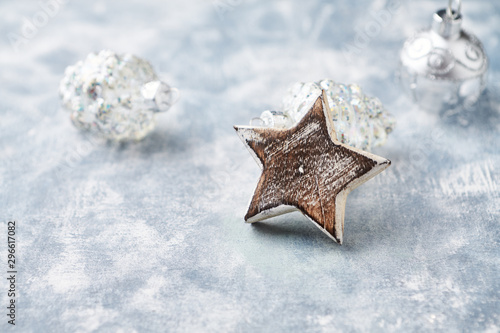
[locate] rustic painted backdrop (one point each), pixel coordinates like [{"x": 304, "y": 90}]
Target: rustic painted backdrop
[{"x": 150, "y": 236}]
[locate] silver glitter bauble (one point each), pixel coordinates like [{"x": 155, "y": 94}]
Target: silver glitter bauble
[
  {"x": 115, "y": 95},
  {"x": 360, "y": 121},
  {"x": 444, "y": 66}
]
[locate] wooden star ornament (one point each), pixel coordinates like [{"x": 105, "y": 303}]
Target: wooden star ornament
[{"x": 306, "y": 168}]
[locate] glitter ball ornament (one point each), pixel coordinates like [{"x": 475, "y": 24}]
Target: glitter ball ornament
[
  {"x": 360, "y": 121},
  {"x": 115, "y": 95},
  {"x": 444, "y": 67}
]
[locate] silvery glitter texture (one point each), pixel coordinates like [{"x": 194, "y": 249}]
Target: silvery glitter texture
[
  {"x": 445, "y": 66},
  {"x": 114, "y": 95},
  {"x": 360, "y": 121}
]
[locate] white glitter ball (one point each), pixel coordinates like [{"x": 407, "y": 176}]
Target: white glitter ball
[
  {"x": 360, "y": 121},
  {"x": 115, "y": 96}
]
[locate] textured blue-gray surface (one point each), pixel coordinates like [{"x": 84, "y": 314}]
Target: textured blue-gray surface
[{"x": 150, "y": 236}]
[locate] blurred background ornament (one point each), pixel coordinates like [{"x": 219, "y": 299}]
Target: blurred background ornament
[
  {"x": 444, "y": 67},
  {"x": 360, "y": 121},
  {"x": 114, "y": 95}
]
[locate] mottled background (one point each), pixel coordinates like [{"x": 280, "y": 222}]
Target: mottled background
[{"x": 150, "y": 236}]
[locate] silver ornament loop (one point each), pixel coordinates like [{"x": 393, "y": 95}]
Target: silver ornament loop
[
  {"x": 454, "y": 14},
  {"x": 446, "y": 26}
]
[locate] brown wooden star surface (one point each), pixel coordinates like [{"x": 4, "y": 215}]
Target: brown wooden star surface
[{"x": 306, "y": 168}]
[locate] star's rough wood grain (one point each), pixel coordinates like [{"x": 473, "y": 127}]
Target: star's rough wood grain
[{"x": 306, "y": 168}]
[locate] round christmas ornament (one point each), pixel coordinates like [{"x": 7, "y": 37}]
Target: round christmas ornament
[
  {"x": 444, "y": 67},
  {"x": 305, "y": 166},
  {"x": 360, "y": 121},
  {"x": 115, "y": 95}
]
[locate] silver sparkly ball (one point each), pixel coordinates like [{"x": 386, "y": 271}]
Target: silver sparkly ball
[
  {"x": 360, "y": 121},
  {"x": 114, "y": 95},
  {"x": 444, "y": 66}
]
